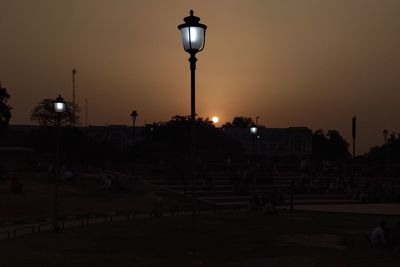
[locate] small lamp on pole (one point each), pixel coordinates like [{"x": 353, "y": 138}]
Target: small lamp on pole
[
  {"x": 253, "y": 132},
  {"x": 59, "y": 108},
  {"x": 134, "y": 115},
  {"x": 59, "y": 105},
  {"x": 385, "y": 135}
]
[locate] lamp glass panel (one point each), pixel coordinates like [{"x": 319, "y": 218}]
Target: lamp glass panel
[
  {"x": 195, "y": 38},
  {"x": 59, "y": 106}
]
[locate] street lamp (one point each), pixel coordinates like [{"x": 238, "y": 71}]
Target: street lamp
[
  {"x": 193, "y": 36},
  {"x": 59, "y": 107},
  {"x": 385, "y": 134},
  {"x": 253, "y": 130},
  {"x": 134, "y": 115}
]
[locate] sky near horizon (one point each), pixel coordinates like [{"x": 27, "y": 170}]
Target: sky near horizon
[{"x": 313, "y": 63}]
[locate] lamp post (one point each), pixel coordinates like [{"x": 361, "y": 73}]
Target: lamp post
[
  {"x": 59, "y": 107},
  {"x": 253, "y": 132},
  {"x": 385, "y": 135},
  {"x": 257, "y": 136},
  {"x": 134, "y": 115},
  {"x": 193, "y": 39}
]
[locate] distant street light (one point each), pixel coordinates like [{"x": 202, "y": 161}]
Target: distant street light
[
  {"x": 134, "y": 115},
  {"x": 193, "y": 39},
  {"x": 59, "y": 107},
  {"x": 385, "y": 135},
  {"x": 253, "y": 132}
]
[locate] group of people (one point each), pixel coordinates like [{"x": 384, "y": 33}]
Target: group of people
[
  {"x": 112, "y": 183},
  {"x": 266, "y": 202},
  {"x": 383, "y": 236}
]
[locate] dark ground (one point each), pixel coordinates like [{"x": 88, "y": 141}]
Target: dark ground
[
  {"x": 229, "y": 239},
  {"x": 84, "y": 194}
]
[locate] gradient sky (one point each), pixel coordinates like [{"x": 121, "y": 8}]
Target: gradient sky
[{"x": 311, "y": 63}]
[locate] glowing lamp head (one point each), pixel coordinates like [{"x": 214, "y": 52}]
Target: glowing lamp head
[
  {"x": 59, "y": 104},
  {"x": 193, "y": 34},
  {"x": 253, "y": 130}
]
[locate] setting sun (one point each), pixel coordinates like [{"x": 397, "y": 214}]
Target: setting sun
[{"x": 215, "y": 119}]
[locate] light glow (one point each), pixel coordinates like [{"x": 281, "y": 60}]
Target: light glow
[
  {"x": 59, "y": 106},
  {"x": 194, "y": 40},
  {"x": 215, "y": 119}
]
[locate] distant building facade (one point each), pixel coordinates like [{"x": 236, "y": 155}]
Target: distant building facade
[
  {"x": 270, "y": 142},
  {"x": 120, "y": 136},
  {"x": 274, "y": 142}
]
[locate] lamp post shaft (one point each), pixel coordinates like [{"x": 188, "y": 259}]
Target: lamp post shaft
[
  {"x": 192, "y": 61},
  {"x": 385, "y": 134},
  {"x": 134, "y": 114},
  {"x": 57, "y": 173}
]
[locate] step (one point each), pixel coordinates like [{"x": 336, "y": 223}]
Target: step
[
  {"x": 230, "y": 187},
  {"x": 318, "y": 196},
  {"x": 242, "y": 203},
  {"x": 211, "y": 193}
]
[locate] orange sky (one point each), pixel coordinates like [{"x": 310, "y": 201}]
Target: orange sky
[{"x": 308, "y": 63}]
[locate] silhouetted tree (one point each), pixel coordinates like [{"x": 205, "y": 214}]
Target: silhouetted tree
[
  {"x": 44, "y": 113},
  {"x": 338, "y": 147},
  {"x": 389, "y": 154},
  {"x": 240, "y": 122},
  {"x": 171, "y": 140},
  {"x": 330, "y": 146},
  {"x": 5, "y": 109}
]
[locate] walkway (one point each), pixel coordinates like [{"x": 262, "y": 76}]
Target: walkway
[{"x": 384, "y": 209}]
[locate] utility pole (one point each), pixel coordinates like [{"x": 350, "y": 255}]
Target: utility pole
[
  {"x": 73, "y": 96},
  {"x": 86, "y": 111},
  {"x": 354, "y": 134}
]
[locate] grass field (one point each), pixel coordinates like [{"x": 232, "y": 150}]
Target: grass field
[{"x": 228, "y": 239}]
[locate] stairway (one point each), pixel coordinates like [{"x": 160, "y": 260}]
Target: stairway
[{"x": 223, "y": 194}]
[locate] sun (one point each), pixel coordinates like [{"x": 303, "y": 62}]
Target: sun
[{"x": 215, "y": 119}]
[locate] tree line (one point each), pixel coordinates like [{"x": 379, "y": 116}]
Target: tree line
[{"x": 172, "y": 137}]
